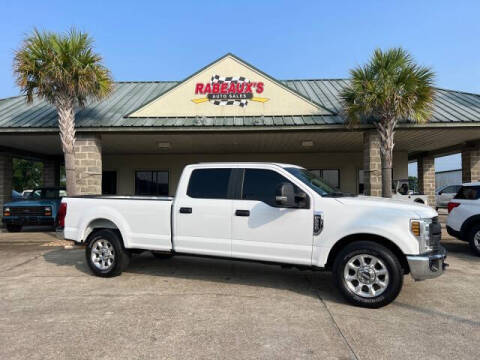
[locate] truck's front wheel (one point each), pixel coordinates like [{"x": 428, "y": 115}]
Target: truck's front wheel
[
  {"x": 368, "y": 274},
  {"x": 105, "y": 254}
]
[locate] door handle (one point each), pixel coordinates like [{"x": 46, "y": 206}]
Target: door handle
[
  {"x": 185, "y": 210},
  {"x": 242, "y": 212}
]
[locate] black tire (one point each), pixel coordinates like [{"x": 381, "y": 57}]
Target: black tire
[
  {"x": 14, "y": 228},
  {"x": 475, "y": 247},
  {"x": 390, "y": 262},
  {"x": 121, "y": 257},
  {"x": 161, "y": 255}
]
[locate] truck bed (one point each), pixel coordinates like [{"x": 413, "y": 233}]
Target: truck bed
[{"x": 143, "y": 221}]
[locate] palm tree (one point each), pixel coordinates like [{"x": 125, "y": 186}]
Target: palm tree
[
  {"x": 390, "y": 88},
  {"x": 64, "y": 70}
]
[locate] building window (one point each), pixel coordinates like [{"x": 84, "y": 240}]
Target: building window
[
  {"x": 361, "y": 182},
  {"x": 209, "y": 183},
  {"x": 330, "y": 176},
  {"x": 151, "y": 183},
  {"x": 109, "y": 183}
]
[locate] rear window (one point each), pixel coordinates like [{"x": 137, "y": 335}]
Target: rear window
[
  {"x": 209, "y": 183},
  {"x": 468, "y": 193}
]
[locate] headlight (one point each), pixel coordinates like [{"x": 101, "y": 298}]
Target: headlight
[
  {"x": 420, "y": 228},
  {"x": 47, "y": 211},
  {"x": 6, "y": 211}
]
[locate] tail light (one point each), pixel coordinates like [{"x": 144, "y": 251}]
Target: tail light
[
  {"x": 452, "y": 205},
  {"x": 62, "y": 212}
]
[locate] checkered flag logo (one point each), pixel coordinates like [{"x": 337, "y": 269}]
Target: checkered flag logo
[{"x": 237, "y": 80}]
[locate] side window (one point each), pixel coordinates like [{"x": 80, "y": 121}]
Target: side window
[
  {"x": 468, "y": 193},
  {"x": 450, "y": 190},
  {"x": 262, "y": 185},
  {"x": 209, "y": 184}
]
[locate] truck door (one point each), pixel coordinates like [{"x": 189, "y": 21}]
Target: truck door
[
  {"x": 264, "y": 230},
  {"x": 203, "y": 220}
]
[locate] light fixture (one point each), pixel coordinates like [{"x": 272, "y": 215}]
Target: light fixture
[
  {"x": 164, "y": 145},
  {"x": 307, "y": 143}
]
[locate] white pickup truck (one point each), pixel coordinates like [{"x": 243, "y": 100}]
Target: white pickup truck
[{"x": 267, "y": 212}]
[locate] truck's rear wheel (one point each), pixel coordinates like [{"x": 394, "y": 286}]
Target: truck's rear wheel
[
  {"x": 368, "y": 274},
  {"x": 474, "y": 239},
  {"x": 105, "y": 254}
]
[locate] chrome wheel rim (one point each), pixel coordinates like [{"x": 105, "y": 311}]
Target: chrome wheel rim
[
  {"x": 366, "y": 275},
  {"x": 103, "y": 254},
  {"x": 476, "y": 240}
]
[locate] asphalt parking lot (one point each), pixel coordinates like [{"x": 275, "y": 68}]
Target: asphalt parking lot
[{"x": 52, "y": 307}]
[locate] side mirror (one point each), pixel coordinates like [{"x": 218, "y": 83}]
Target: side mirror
[{"x": 286, "y": 195}]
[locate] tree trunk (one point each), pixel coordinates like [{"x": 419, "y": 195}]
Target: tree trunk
[
  {"x": 385, "y": 129},
  {"x": 66, "y": 124}
]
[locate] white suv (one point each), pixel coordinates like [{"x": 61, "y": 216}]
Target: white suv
[{"x": 463, "y": 220}]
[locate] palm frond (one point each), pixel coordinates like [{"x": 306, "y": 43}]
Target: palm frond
[
  {"x": 390, "y": 86},
  {"x": 56, "y": 66}
]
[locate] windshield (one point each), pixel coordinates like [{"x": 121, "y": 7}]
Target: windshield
[
  {"x": 312, "y": 181},
  {"x": 48, "y": 194}
]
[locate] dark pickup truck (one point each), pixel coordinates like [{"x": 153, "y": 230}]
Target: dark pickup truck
[{"x": 39, "y": 208}]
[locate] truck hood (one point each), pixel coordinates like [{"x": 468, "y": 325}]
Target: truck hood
[
  {"x": 31, "y": 203},
  {"x": 415, "y": 209}
]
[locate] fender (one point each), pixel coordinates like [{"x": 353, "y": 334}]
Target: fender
[{"x": 107, "y": 213}]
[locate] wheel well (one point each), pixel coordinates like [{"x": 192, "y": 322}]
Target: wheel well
[
  {"x": 468, "y": 224},
  {"x": 339, "y": 245},
  {"x": 100, "y": 224}
]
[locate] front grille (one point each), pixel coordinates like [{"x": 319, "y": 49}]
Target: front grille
[
  {"x": 435, "y": 233},
  {"x": 28, "y": 211}
]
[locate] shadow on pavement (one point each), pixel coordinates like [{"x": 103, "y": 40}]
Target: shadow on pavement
[
  {"x": 306, "y": 282},
  {"x": 459, "y": 249},
  {"x": 432, "y": 312}
]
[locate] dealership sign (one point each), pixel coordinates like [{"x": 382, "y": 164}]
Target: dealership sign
[{"x": 229, "y": 90}]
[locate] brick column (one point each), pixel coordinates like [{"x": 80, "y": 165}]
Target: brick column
[
  {"x": 51, "y": 173},
  {"x": 6, "y": 174},
  {"x": 372, "y": 164},
  {"x": 426, "y": 177},
  {"x": 88, "y": 163},
  {"x": 471, "y": 165}
]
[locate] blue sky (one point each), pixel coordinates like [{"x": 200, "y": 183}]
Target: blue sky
[{"x": 156, "y": 40}]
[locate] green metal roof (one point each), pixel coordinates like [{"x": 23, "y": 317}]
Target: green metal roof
[{"x": 450, "y": 107}]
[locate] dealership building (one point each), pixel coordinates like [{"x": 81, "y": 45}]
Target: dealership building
[{"x": 138, "y": 140}]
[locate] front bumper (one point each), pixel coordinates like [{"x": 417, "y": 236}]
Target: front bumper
[
  {"x": 428, "y": 266},
  {"x": 28, "y": 220}
]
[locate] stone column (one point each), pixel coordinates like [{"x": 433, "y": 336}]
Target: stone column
[
  {"x": 471, "y": 165},
  {"x": 51, "y": 173},
  {"x": 426, "y": 177},
  {"x": 372, "y": 164},
  {"x": 88, "y": 163},
  {"x": 6, "y": 174}
]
